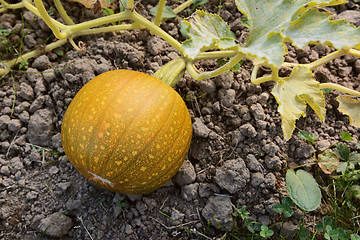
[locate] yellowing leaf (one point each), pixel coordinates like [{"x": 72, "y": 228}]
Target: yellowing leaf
[
  {"x": 207, "y": 31},
  {"x": 351, "y": 107},
  {"x": 292, "y": 95},
  {"x": 267, "y": 21},
  {"x": 316, "y": 27},
  {"x": 92, "y": 3}
]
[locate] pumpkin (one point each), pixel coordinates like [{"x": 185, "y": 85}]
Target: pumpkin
[{"x": 127, "y": 131}]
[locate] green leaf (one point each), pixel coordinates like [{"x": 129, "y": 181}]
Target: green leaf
[
  {"x": 345, "y": 136},
  {"x": 123, "y": 5},
  {"x": 278, "y": 208},
  {"x": 266, "y": 232},
  {"x": 304, "y": 233},
  {"x": 316, "y": 27},
  {"x": 342, "y": 167},
  {"x": 311, "y": 137},
  {"x": 326, "y": 91},
  {"x": 355, "y": 237},
  {"x": 343, "y": 151},
  {"x": 207, "y": 31},
  {"x": 328, "y": 162},
  {"x": 293, "y": 93},
  {"x": 350, "y": 107},
  {"x": 303, "y": 189},
  {"x": 354, "y": 158},
  {"x": 167, "y": 13},
  {"x": 197, "y": 3},
  {"x": 268, "y": 22}
]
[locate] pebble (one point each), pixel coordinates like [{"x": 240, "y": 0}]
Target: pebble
[
  {"x": 248, "y": 130},
  {"x": 26, "y": 92},
  {"x": 227, "y": 97},
  {"x": 41, "y": 63},
  {"x": 233, "y": 175},
  {"x": 40, "y": 127},
  {"x": 190, "y": 192},
  {"x": 55, "y": 225},
  {"x": 186, "y": 174},
  {"x": 200, "y": 129},
  {"x": 218, "y": 211},
  {"x": 252, "y": 163},
  {"x": 256, "y": 179}
]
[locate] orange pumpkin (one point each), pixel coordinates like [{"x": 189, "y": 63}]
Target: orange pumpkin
[{"x": 127, "y": 131}]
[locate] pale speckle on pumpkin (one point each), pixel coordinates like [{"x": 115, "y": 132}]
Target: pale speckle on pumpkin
[
  {"x": 134, "y": 153},
  {"x": 82, "y": 146},
  {"x": 118, "y": 162},
  {"x": 96, "y": 177},
  {"x": 102, "y": 147},
  {"x": 91, "y": 128},
  {"x": 101, "y": 134},
  {"x": 151, "y": 156},
  {"x": 143, "y": 169}
]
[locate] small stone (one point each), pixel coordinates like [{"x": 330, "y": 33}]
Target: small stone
[
  {"x": 4, "y": 121},
  {"x": 53, "y": 170},
  {"x": 225, "y": 80},
  {"x": 128, "y": 229},
  {"x": 236, "y": 137},
  {"x": 200, "y": 129},
  {"x": 288, "y": 230},
  {"x": 248, "y": 130},
  {"x": 252, "y": 163},
  {"x": 190, "y": 192},
  {"x": 14, "y": 125},
  {"x": 30, "y": 41},
  {"x": 74, "y": 204},
  {"x": 218, "y": 211},
  {"x": 16, "y": 164},
  {"x": 256, "y": 179},
  {"x": 273, "y": 163},
  {"x": 344, "y": 71},
  {"x": 270, "y": 181},
  {"x": 56, "y": 225},
  {"x": 26, "y": 92},
  {"x": 141, "y": 207},
  {"x": 263, "y": 98},
  {"x": 49, "y": 75},
  {"x": 186, "y": 174},
  {"x": 155, "y": 45},
  {"x": 31, "y": 195},
  {"x": 271, "y": 149},
  {"x": 257, "y": 111},
  {"x": 5, "y": 170},
  {"x": 216, "y": 106},
  {"x": 41, "y": 63},
  {"x": 207, "y": 86},
  {"x": 352, "y": 16},
  {"x": 64, "y": 186},
  {"x": 323, "y": 144},
  {"x": 305, "y": 151},
  {"x": 227, "y": 97},
  {"x": 40, "y": 127},
  {"x": 233, "y": 175}
]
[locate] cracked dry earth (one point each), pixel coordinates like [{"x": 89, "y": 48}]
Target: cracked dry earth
[{"x": 237, "y": 155}]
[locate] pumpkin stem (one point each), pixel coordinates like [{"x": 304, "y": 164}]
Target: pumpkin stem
[{"x": 172, "y": 72}]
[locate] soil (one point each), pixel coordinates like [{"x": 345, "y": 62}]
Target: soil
[{"x": 237, "y": 156}]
